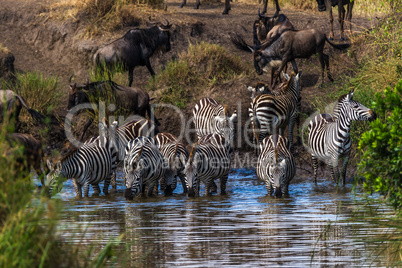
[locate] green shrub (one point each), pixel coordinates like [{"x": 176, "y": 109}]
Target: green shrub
[{"x": 381, "y": 163}]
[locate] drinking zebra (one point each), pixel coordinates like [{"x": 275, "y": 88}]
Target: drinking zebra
[
  {"x": 91, "y": 163},
  {"x": 210, "y": 117},
  {"x": 144, "y": 166},
  {"x": 176, "y": 155},
  {"x": 276, "y": 165},
  {"x": 209, "y": 160},
  {"x": 270, "y": 114},
  {"x": 329, "y": 137}
]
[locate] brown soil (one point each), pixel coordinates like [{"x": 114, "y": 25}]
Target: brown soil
[{"x": 56, "y": 48}]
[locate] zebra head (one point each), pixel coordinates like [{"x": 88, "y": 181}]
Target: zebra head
[
  {"x": 226, "y": 126},
  {"x": 53, "y": 180},
  {"x": 352, "y": 109},
  {"x": 134, "y": 179},
  {"x": 277, "y": 172},
  {"x": 190, "y": 172}
]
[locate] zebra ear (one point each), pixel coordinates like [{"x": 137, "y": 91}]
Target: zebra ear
[
  {"x": 219, "y": 119},
  {"x": 251, "y": 89},
  {"x": 286, "y": 76},
  {"x": 350, "y": 95},
  {"x": 234, "y": 116},
  {"x": 50, "y": 164}
]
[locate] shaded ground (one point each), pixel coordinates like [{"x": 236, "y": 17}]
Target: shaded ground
[{"x": 56, "y": 48}]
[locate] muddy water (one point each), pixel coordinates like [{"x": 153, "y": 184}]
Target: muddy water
[{"x": 246, "y": 228}]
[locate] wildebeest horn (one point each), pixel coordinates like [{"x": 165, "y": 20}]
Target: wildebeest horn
[
  {"x": 151, "y": 22},
  {"x": 261, "y": 16},
  {"x": 167, "y": 25},
  {"x": 71, "y": 77}
]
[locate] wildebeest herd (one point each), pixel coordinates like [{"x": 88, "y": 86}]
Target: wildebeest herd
[{"x": 153, "y": 160}]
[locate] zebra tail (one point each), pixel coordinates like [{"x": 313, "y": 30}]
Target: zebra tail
[
  {"x": 338, "y": 46},
  {"x": 35, "y": 115}
]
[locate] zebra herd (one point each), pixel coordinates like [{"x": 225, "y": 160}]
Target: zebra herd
[{"x": 151, "y": 160}]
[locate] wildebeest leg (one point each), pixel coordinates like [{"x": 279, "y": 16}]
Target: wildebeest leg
[
  {"x": 149, "y": 67},
  {"x": 227, "y": 7},
  {"x": 197, "y": 4},
  {"x": 131, "y": 75},
  {"x": 277, "y": 8},
  {"x": 294, "y": 66},
  {"x": 182, "y": 4},
  {"x": 331, "y": 21},
  {"x": 326, "y": 60},
  {"x": 341, "y": 20},
  {"x": 349, "y": 15},
  {"x": 85, "y": 128}
]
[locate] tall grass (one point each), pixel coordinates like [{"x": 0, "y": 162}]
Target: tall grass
[{"x": 202, "y": 66}]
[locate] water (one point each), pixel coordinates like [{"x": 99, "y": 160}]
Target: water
[{"x": 246, "y": 228}]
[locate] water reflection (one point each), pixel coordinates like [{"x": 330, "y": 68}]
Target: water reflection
[{"x": 245, "y": 228}]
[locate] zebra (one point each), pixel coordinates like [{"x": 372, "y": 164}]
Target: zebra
[
  {"x": 329, "y": 137},
  {"x": 276, "y": 165},
  {"x": 176, "y": 155},
  {"x": 91, "y": 163},
  {"x": 127, "y": 132},
  {"x": 271, "y": 114},
  {"x": 211, "y": 117},
  {"x": 209, "y": 160},
  {"x": 144, "y": 166}
]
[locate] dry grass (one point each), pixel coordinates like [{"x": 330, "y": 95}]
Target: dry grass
[{"x": 4, "y": 49}]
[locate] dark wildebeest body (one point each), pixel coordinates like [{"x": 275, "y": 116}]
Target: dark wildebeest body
[
  {"x": 134, "y": 49},
  {"x": 132, "y": 99},
  {"x": 32, "y": 152},
  {"x": 288, "y": 47},
  {"x": 227, "y": 6},
  {"x": 11, "y": 103},
  {"x": 328, "y": 4},
  {"x": 266, "y": 30}
]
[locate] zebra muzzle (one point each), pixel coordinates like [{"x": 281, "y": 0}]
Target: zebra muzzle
[
  {"x": 191, "y": 192},
  {"x": 128, "y": 194}
]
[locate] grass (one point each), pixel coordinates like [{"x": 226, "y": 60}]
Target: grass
[
  {"x": 202, "y": 66},
  {"x": 4, "y": 49}
]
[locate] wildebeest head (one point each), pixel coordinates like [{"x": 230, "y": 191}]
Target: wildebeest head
[
  {"x": 164, "y": 35},
  {"x": 321, "y": 5},
  {"x": 77, "y": 95},
  {"x": 190, "y": 172},
  {"x": 277, "y": 170}
]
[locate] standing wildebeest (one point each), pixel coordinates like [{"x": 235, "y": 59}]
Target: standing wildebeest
[
  {"x": 288, "y": 47},
  {"x": 328, "y": 4},
  {"x": 132, "y": 99},
  {"x": 227, "y": 6},
  {"x": 134, "y": 49},
  {"x": 13, "y": 103}
]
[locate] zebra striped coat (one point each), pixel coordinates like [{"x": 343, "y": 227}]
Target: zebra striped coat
[
  {"x": 144, "y": 166},
  {"x": 276, "y": 165},
  {"x": 329, "y": 137},
  {"x": 271, "y": 114},
  {"x": 89, "y": 164},
  {"x": 209, "y": 160},
  {"x": 210, "y": 117},
  {"x": 176, "y": 156}
]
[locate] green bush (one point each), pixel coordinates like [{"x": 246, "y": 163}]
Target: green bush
[{"x": 381, "y": 163}]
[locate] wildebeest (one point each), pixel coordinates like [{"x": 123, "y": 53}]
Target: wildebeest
[
  {"x": 11, "y": 104},
  {"x": 270, "y": 28},
  {"x": 32, "y": 153},
  {"x": 328, "y": 4},
  {"x": 134, "y": 49},
  {"x": 288, "y": 47},
  {"x": 227, "y": 6},
  {"x": 131, "y": 99}
]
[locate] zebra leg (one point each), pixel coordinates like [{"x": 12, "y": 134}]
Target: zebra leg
[
  {"x": 269, "y": 187},
  {"x": 344, "y": 167},
  {"x": 113, "y": 181},
  {"x": 334, "y": 172},
  {"x": 285, "y": 189},
  {"x": 151, "y": 187},
  {"x": 86, "y": 188},
  {"x": 290, "y": 129},
  {"x": 183, "y": 183},
  {"x": 213, "y": 187},
  {"x": 77, "y": 188},
  {"x": 224, "y": 180},
  {"x": 96, "y": 189},
  {"x": 107, "y": 183},
  {"x": 315, "y": 167}
]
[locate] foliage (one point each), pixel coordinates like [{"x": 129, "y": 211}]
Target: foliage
[
  {"x": 203, "y": 65},
  {"x": 381, "y": 163},
  {"x": 40, "y": 93}
]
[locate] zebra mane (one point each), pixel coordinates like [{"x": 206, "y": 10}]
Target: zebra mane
[
  {"x": 190, "y": 158},
  {"x": 342, "y": 97},
  {"x": 174, "y": 155},
  {"x": 287, "y": 83},
  {"x": 276, "y": 155},
  {"x": 73, "y": 151},
  {"x": 225, "y": 110}
]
